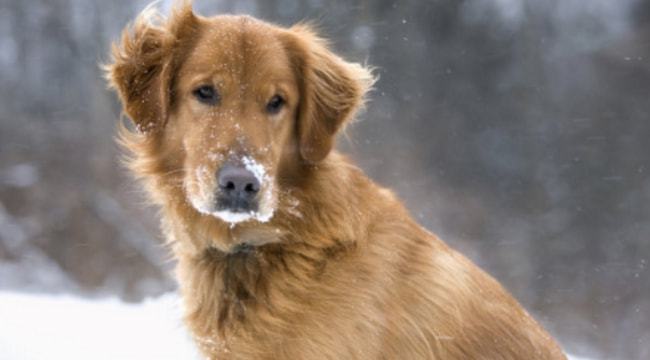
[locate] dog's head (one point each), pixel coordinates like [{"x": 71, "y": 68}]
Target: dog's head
[{"x": 228, "y": 108}]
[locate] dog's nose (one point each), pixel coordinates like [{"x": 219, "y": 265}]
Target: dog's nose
[{"x": 238, "y": 187}]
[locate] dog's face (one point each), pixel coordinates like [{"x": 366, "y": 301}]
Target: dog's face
[
  {"x": 236, "y": 101},
  {"x": 230, "y": 106}
]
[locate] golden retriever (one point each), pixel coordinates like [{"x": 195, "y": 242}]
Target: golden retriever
[{"x": 285, "y": 249}]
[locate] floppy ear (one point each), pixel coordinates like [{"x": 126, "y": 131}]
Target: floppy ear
[
  {"x": 143, "y": 63},
  {"x": 331, "y": 91}
]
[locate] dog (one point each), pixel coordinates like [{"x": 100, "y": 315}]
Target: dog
[{"x": 285, "y": 249}]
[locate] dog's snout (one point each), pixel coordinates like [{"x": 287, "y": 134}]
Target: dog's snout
[{"x": 238, "y": 187}]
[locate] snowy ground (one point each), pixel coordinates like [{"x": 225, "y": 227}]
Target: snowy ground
[{"x": 39, "y": 327}]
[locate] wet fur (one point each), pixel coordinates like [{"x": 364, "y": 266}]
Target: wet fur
[{"x": 341, "y": 271}]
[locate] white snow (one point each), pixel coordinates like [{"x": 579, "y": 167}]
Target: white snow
[
  {"x": 35, "y": 327},
  {"x": 573, "y": 357},
  {"x": 256, "y": 168},
  {"x": 234, "y": 217},
  {"x": 63, "y": 327},
  {"x": 263, "y": 215}
]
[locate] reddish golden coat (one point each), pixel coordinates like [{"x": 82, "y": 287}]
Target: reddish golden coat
[{"x": 341, "y": 271}]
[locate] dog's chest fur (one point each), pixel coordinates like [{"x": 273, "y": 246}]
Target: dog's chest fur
[{"x": 254, "y": 291}]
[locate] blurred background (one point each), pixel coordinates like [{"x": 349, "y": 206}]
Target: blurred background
[{"x": 518, "y": 130}]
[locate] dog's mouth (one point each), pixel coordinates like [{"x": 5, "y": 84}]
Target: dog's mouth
[
  {"x": 237, "y": 210},
  {"x": 243, "y": 191}
]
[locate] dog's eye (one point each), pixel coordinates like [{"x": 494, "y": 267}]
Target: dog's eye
[
  {"x": 206, "y": 94},
  {"x": 275, "y": 104}
]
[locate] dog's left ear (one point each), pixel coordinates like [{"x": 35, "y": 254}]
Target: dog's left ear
[{"x": 331, "y": 90}]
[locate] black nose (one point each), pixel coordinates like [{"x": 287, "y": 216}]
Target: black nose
[{"x": 238, "y": 187}]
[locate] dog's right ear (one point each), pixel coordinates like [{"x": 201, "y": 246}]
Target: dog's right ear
[{"x": 143, "y": 62}]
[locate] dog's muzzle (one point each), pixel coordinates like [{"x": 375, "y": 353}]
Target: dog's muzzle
[{"x": 238, "y": 189}]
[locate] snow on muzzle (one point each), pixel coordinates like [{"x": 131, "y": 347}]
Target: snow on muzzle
[{"x": 243, "y": 191}]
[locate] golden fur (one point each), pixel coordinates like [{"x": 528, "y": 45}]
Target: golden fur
[{"x": 341, "y": 270}]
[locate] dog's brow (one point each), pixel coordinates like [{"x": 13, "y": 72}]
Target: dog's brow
[{"x": 203, "y": 77}]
